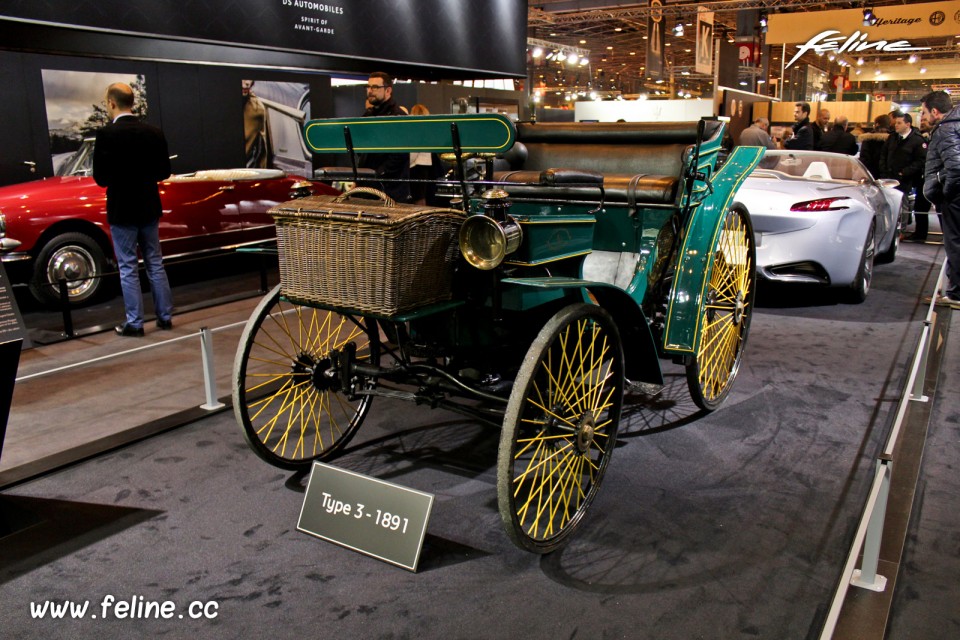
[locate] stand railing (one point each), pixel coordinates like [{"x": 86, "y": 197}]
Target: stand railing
[
  {"x": 869, "y": 534},
  {"x": 66, "y": 310}
]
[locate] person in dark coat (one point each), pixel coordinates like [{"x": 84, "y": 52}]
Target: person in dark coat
[
  {"x": 871, "y": 144},
  {"x": 387, "y": 165},
  {"x": 129, "y": 158},
  {"x": 838, "y": 139},
  {"x": 802, "y": 130},
  {"x": 921, "y": 206},
  {"x": 903, "y": 154},
  {"x": 941, "y": 182}
]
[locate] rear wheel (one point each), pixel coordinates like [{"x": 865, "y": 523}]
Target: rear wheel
[
  {"x": 74, "y": 257},
  {"x": 890, "y": 254},
  {"x": 861, "y": 284},
  {"x": 295, "y": 395},
  {"x": 560, "y": 427},
  {"x": 725, "y": 312}
]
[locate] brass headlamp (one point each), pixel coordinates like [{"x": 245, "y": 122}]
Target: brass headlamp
[{"x": 485, "y": 240}]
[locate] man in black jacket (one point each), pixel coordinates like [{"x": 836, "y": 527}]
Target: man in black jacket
[
  {"x": 803, "y": 130},
  {"x": 838, "y": 139},
  {"x": 871, "y": 144},
  {"x": 903, "y": 154},
  {"x": 941, "y": 182},
  {"x": 129, "y": 158},
  {"x": 386, "y": 165}
]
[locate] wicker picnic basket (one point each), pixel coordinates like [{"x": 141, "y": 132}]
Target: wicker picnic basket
[{"x": 368, "y": 256}]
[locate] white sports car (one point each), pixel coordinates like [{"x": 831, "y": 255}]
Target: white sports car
[{"x": 822, "y": 218}]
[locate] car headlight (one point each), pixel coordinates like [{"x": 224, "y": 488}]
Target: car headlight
[{"x": 485, "y": 240}]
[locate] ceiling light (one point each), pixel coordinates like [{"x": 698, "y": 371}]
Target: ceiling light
[
  {"x": 572, "y": 58},
  {"x": 763, "y": 22},
  {"x": 869, "y": 19},
  {"x": 859, "y": 62},
  {"x": 923, "y": 69},
  {"x": 913, "y": 58},
  {"x": 537, "y": 52},
  {"x": 678, "y": 30}
]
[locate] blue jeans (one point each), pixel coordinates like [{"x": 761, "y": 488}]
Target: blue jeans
[{"x": 126, "y": 239}]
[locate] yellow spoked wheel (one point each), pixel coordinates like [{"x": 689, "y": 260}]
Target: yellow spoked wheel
[
  {"x": 294, "y": 393},
  {"x": 725, "y": 313},
  {"x": 560, "y": 427}
]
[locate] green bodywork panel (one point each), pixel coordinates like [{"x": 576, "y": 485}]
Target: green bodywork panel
[
  {"x": 547, "y": 238},
  {"x": 682, "y": 331},
  {"x": 641, "y": 360},
  {"x": 478, "y": 132}
]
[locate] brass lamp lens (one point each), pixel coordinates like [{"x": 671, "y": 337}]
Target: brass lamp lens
[{"x": 482, "y": 242}]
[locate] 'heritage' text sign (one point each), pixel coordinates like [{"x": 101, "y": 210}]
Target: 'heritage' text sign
[{"x": 381, "y": 519}]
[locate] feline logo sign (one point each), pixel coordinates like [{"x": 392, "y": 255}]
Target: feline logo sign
[{"x": 856, "y": 43}]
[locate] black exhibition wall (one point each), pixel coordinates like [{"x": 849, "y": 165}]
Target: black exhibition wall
[
  {"x": 198, "y": 107},
  {"x": 440, "y": 38}
]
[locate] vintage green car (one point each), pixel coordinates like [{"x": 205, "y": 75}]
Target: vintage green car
[{"x": 586, "y": 254}]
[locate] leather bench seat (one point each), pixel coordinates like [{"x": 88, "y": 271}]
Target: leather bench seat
[
  {"x": 617, "y": 187},
  {"x": 637, "y": 163}
]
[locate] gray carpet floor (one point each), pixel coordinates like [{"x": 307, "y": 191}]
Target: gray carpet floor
[{"x": 729, "y": 525}]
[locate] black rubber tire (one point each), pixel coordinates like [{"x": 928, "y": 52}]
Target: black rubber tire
[
  {"x": 76, "y": 257},
  {"x": 860, "y": 286},
  {"x": 560, "y": 427},
  {"x": 288, "y": 393},
  {"x": 890, "y": 254}
]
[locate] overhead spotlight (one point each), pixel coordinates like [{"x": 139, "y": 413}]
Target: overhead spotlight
[
  {"x": 763, "y": 22},
  {"x": 858, "y": 71},
  {"x": 572, "y": 58},
  {"x": 678, "y": 30},
  {"x": 537, "y": 52},
  {"x": 869, "y": 18},
  {"x": 859, "y": 62},
  {"x": 584, "y": 61},
  {"x": 923, "y": 69},
  {"x": 913, "y": 58},
  {"x": 876, "y": 71}
]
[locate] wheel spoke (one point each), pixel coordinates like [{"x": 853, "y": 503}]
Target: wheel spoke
[
  {"x": 725, "y": 314},
  {"x": 562, "y": 417},
  {"x": 288, "y": 397}
]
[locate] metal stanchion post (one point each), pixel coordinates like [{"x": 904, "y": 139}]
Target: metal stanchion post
[
  {"x": 65, "y": 308},
  {"x": 866, "y": 576},
  {"x": 916, "y": 393},
  {"x": 209, "y": 376}
]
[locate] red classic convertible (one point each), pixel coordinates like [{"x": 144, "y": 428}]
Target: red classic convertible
[{"x": 57, "y": 227}]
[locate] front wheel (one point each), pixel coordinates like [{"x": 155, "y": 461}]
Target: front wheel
[
  {"x": 295, "y": 395},
  {"x": 74, "y": 257},
  {"x": 560, "y": 427},
  {"x": 724, "y": 312}
]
